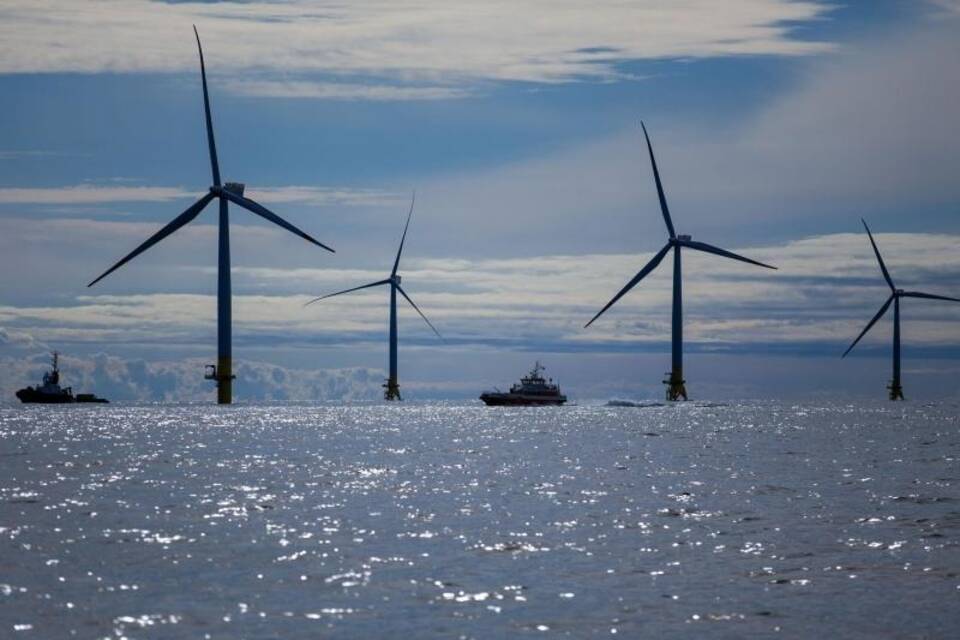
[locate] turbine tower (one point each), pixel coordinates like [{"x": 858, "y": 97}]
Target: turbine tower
[
  {"x": 392, "y": 386},
  {"x": 222, "y": 372},
  {"x": 675, "y": 383},
  {"x": 896, "y": 390}
]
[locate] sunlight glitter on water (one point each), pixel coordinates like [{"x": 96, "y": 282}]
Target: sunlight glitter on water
[{"x": 440, "y": 521}]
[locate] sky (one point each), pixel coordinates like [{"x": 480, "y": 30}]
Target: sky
[{"x": 777, "y": 125}]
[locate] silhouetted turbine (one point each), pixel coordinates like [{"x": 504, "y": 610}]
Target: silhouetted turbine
[
  {"x": 222, "y": 373},
  {"x": 392, "y": 385},
  {"x": 675, "y": 383},
  {"x": 896, "y": 390}
]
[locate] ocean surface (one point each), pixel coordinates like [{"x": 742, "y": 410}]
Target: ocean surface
[{"x": 446, "y": 521}]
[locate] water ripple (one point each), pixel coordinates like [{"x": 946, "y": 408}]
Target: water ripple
[{"x": 445, "y": 521}]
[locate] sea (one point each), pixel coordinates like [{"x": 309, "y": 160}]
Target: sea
[{"x": 418, "y": 520}]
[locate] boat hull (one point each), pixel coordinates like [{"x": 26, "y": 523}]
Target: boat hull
[
  {"x": 520, "y": 400},
  {"x": 33, "y": 396},
  {"x": 89, "y": 397}
]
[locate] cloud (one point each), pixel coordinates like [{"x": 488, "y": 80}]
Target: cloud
[
  {"x": 10, "y": 154},
  {"x": 826, "y": 290},
  {"x": 14, "y": 341},
  {"x": 136, "y": 380},
  {"x": 89, "y": 194},
  {"x": 439, "y": 41},
  {"x": 328, "y": 196},
  {"x": 102, "y": 194},
  {"x": 871, "y": 131},
  {"x": 84, "y": 232},
  {"x": 949, "y": 8},
  {"x": 602, "y": 376},
  {"x": 342, "y": 90},
  {"x": 877, "y": 121}
]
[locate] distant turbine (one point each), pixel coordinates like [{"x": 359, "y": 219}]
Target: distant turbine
[
  {"x": 675, "y": 383},
  {"x": 392, "y": 386},
  {"x": 222, "y": 372},
  {"x": 896, "y": 391}
]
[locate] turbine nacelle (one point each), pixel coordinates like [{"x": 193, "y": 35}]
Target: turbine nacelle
[
  {"x": 236, "y": 188},
  {"x": 898, "y": 292},
  {"x": 396, "y": 279}
]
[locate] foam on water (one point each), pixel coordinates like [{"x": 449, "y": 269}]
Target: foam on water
[{"x": 450, "y": 521}]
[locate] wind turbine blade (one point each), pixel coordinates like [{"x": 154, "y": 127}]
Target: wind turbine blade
[
  {"x": 365, "y": 286},
  {"x": 927, "y": 296},
  {"x": 214, "y": 165},
  {"x": 396, "y": 263},
  {"x": 414, "y": 305},
  {"x": 265, "y": 213},
  {"x": 883, "y": 267},
  {"x": 656, "y": 176},
  {"x": 709, "y": 248},
  {"x": 192, "y": 212},
  {"x": 650, "y": 266},
  {"x": 883, "y": 310}
]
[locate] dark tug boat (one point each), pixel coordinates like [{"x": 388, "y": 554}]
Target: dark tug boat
[
  {"x": 532, "y": 390},
  {"x": 50, "y": 392}
]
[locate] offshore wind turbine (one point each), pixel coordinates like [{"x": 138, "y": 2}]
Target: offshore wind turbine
[
  {"x": 392, "y": 385},
  {"x": 222, "y": 372},
  {"x": 896, "y": 390},
  {"x": 675, "y": 383}
]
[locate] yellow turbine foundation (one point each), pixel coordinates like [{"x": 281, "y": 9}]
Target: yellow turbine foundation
[{"x": 676, "y": 388}]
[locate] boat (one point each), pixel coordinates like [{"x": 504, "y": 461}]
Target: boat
[
  {"x": 50, "y": 392},
  {"x": 532, "y": 390}
]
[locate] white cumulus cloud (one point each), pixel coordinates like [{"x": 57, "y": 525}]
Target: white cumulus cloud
[{"x": 446, "y": 43}]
